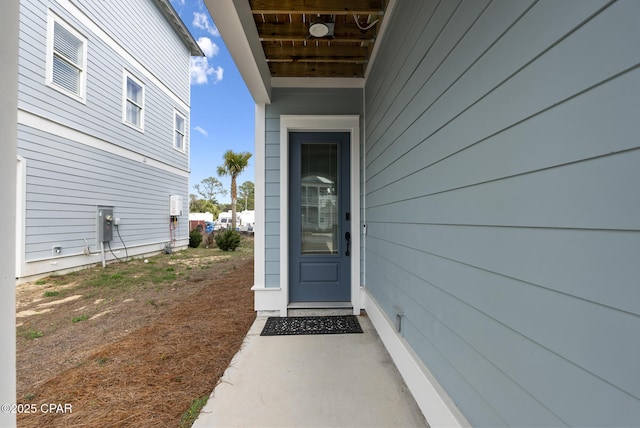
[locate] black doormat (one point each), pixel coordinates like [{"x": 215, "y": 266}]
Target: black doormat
[{"x": 341, "y": 324}]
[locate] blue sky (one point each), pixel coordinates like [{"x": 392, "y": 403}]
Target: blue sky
[{"x": 222, "y": 110}]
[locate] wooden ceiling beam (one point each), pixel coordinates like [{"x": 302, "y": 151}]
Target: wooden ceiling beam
[
  {"x": 318, "y": 60},
  {"x": 274, "y": 51},
  {"x": 298, "y": 31},
  {"x": 305, "y": 69},
  {"x": 324, "y": 7},
  {"x": 311, "y": 39}
]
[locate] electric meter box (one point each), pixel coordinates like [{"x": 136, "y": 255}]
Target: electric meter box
[
  {"x": 175, "y": 205},
  {"x": 105, "y": 224}
]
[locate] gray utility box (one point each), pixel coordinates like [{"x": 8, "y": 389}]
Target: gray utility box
[{"x": 105, "y": 224}]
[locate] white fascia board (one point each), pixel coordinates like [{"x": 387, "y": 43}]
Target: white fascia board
[{"x": 234, "y": 21}]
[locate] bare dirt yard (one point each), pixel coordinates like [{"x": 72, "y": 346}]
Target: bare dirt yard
[{"x": 133, "y": 344}]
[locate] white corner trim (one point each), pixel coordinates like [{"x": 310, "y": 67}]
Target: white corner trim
[
  {"x": 312, "y": 123},
  {"x": 259, "y": 255},
  {"x": 435, "y": 403},
  {"x": 266, "y": 298},
  {"x": 32, "y": 120}
]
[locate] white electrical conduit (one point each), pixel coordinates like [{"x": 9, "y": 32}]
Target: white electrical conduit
[
  {"x": 356, "y": 18},
  {"x": 104, "y": 263}
]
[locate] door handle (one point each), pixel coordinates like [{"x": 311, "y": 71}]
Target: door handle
[{"x": 347, "y": 236}]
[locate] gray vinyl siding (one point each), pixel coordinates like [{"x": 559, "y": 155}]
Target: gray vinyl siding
[
  {"x": 101, "y": 116},
  {"x": 66, "y": 180},
  {"x": 501, "y": 164},
  {"x": 138, "y": 25},
  {"x": 285, "y": 101}
]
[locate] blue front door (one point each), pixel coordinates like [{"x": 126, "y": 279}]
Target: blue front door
[{"x": 319, "y": 217}]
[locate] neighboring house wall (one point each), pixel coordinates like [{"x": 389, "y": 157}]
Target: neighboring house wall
[
  {"x": 286, "y": 101},
  {"x": 501, "y": 164},
  {"x": 139, "y": 29},
  {"x": 79, "y": 154}
]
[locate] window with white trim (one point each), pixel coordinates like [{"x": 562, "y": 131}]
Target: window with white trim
[
  {"x": 66, "y": 58},
  {"x": 133, "y": 102},
  {"x": 179, "y": 130}
]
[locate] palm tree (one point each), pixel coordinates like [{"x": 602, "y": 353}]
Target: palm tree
[{"x": 234, "y": 164}]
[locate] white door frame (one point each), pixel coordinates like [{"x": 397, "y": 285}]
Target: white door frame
[{"x": 312, "y": 123}]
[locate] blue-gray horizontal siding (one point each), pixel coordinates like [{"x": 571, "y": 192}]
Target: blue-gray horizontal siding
[
  {"x": 141, "y": 27},
  {"x": 101, "y": 116},
  {"x": 501, "y": 204},
  {"x": 67, "y": 180},
  {"x": 293, "y": 101}
]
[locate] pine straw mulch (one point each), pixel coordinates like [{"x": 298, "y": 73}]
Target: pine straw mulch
[{"x": 150, "y": 376}]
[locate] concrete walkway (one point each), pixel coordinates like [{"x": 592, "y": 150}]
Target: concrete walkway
[{"x": 344, "y": 380}]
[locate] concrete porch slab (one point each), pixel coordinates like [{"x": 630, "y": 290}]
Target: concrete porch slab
[{"x": 345, "y": 380}]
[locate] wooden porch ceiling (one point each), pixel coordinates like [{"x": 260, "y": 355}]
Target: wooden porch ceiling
[{"x": 291, "y": 51}]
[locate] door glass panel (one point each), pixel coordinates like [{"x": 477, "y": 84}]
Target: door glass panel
[{"x": 319, "y": 198}]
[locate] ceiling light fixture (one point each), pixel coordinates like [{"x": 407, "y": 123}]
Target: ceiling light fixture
[
  {"x": 319, "y": 29},
  {"x": 322, "y": 26}
]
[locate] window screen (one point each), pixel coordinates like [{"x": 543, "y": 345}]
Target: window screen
[{"x": 67, "y": 64}]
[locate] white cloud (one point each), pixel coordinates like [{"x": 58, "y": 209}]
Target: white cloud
[
  {"x": 202, "y": 131},
  {"x": 218, "y": 71},
  {"x": 201, "y": 70},
  {"x": 201, "y": 21},
  {"x": 200, "y": 67},
  {"x": 208, "y": 47}
]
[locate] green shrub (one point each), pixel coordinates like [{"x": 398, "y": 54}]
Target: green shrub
[
  {"x": 195, "y": 238},
  {"x": 228, "y": 240}
]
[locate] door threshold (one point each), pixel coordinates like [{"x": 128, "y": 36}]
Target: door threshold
[
  {"x": 309, "y": 309},
  {"x": 320, "y": 305}
]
